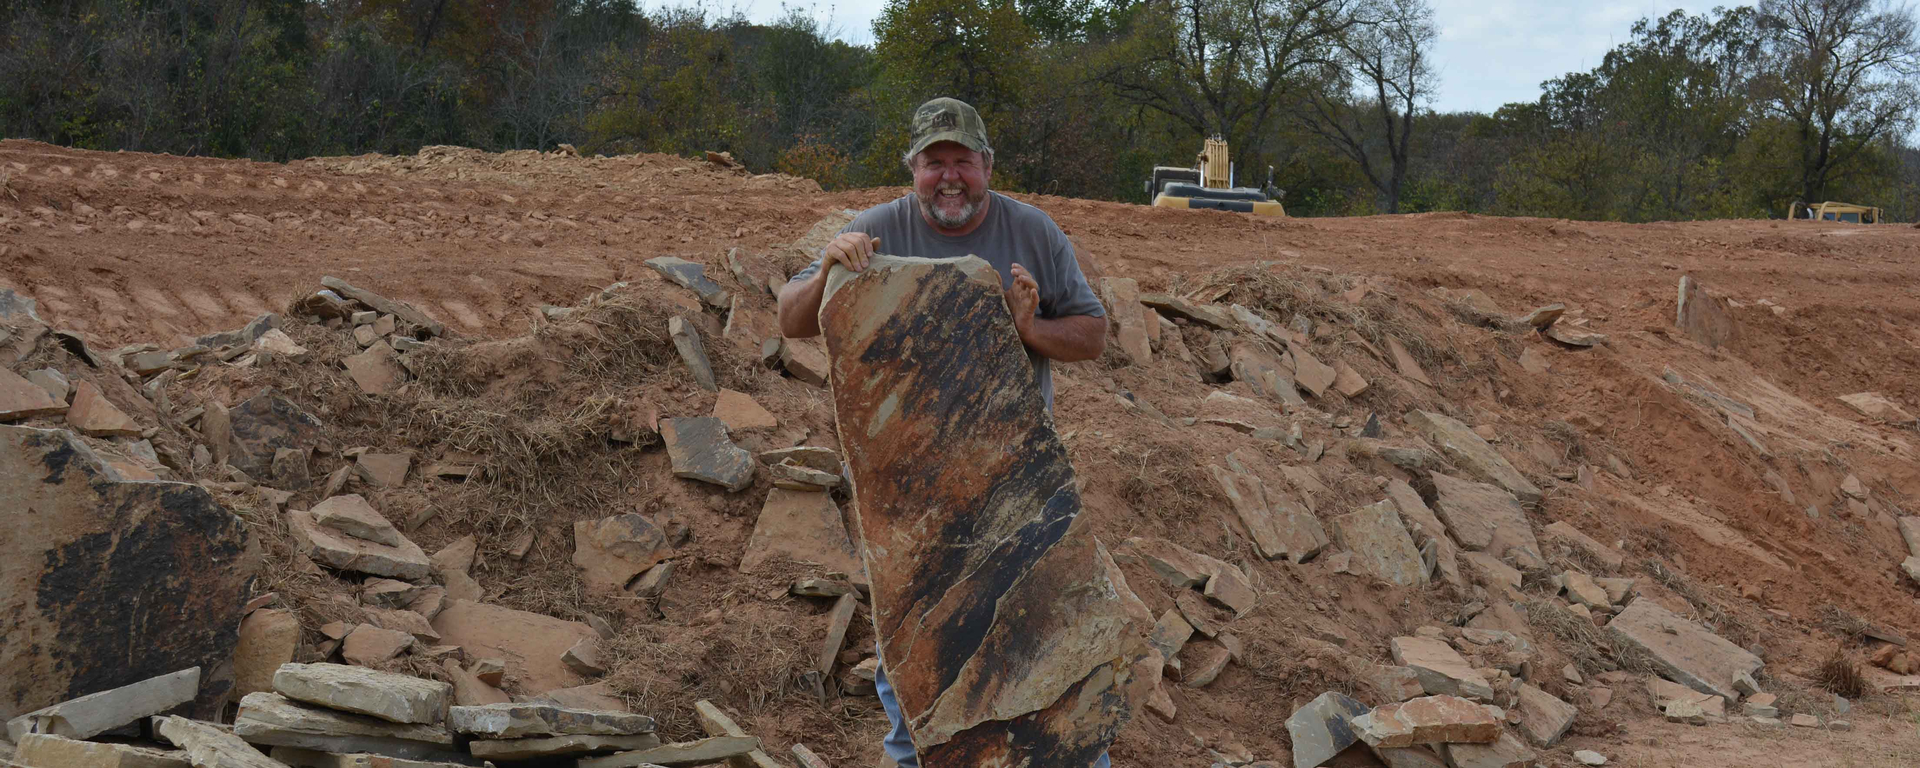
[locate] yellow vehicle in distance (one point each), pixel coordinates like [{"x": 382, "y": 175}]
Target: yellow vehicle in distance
[
  {"x": 1832, "y": 211},
  {"x": 1209, "y": 186}
]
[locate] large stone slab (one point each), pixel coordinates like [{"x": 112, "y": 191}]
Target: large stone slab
[
  {"x": 385, "y": 695},
  {"x": 1206, "y": 315},
  {"x": 1874, "y": 405},
  {"x": 1703, "y": 317},
  {"x": 106, "y": 583},
  {"x": 210, "y": 747},
  {"x": 516, "y": 721},
  {"x": 1429, "y": 720},
  {"x": 263, "y": 425},
  {"x": 1442, "y": 670},
  {"x": 1122, "y": 295},
  {"x": 1459, "y": 443},
  {"x": 700, "y": 450},
  {"x": 97, "y": 713},
  {"x": 967, "y": 508},
  {"x": 45, "y": 750},
  {"x": 611, "y": 551},
  {"x": 275, "y": 720},
  {"x": 803, "y": 527},
  {"x": 1485, "y": 518},
  {"x": 531, "y": 643},
  {"x": 1684, "y": 651},
  {"x": 1323, "y": 728},
  {"x": 1381, "y": 544}
]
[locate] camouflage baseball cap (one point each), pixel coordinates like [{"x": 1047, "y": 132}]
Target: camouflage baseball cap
[{"x": 945, "y": 119}]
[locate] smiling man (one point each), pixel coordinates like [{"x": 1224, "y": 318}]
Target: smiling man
[{"x": 950, "y": 214}]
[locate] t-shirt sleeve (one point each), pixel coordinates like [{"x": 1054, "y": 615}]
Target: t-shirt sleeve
[{"x": 1068, "y": 294}]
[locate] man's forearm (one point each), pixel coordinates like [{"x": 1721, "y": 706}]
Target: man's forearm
[
  {"x": 800, "y": 306},
  {"x": 1067, "y": 339}
]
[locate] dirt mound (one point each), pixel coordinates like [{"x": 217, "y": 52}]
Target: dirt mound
[{"x": 1730, "y": 485}]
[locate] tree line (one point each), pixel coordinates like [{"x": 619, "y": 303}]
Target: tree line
[{"x": 1734, "y": 113}]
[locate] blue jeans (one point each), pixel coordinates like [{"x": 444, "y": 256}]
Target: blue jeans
[{"x": 899, "y": 744}]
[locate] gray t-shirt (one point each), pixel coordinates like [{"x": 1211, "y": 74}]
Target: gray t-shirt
[{"x": 1014, "y": 233}]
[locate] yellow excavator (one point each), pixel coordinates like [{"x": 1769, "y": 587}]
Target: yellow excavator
[
  {"x": 1832, "y": 211},
  {"x": 1209, "y": 185}
]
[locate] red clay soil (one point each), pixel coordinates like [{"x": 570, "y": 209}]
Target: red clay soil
[{"x": 130, "y": 248}]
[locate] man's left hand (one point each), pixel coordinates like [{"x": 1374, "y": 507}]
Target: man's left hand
[{"x": 1023, "y": 298}]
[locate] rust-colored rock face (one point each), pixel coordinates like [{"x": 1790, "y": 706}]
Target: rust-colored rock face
[
  {"x": 1004, "y": 634},
  {"x": 105, "y": 583}
]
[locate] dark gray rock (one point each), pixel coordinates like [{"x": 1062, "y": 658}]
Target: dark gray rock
[{"x": 700, "y": 450}]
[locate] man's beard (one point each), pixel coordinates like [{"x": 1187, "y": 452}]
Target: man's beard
[{"x": 954, "y": 220}]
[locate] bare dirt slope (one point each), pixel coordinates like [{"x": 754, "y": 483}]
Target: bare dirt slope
[{"x": 1730, "y": 514}]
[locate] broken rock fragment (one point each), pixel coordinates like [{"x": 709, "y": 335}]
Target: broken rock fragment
[
  {"x": 263, "y": 425},
  {"x": 612, "y": 550},
  {"x": 1486, "y": 518},
  {"x": 537, "y": 747},
  {"x": 977, "y": 565},
  {"x": 532, "y": 643},
  {"x": 209, "y": 747},
  {"x": 23, "y": 399},
  {"x": 700, "y": 450},
  {"x": 686, "y": 340},
  {"x": 333, "y": 548},
  {"x": 1703, "y": 317},
  {"x": 94, "y": 415}
]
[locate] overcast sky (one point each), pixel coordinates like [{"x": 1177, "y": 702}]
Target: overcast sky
[{"x": 1491, "y": 52}]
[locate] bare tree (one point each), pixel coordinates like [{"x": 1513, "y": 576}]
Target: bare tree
[
  {"x": 1842, "y": 74},
  {"x": 1382, "y": 74},
  {"x": 1225, "y": 66}
]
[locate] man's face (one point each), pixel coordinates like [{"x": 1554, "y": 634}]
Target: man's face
[{"x": 950, "y": 182}]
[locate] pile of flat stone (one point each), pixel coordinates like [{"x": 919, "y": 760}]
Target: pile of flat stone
[{"x": 338, "y": 716}]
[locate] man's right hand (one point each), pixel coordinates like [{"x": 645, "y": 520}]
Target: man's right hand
[{"x": 850, "y": 249}]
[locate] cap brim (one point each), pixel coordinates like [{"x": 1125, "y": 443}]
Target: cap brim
[{"x": 958, "y": 137}]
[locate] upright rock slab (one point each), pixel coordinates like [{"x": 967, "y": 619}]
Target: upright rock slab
[
  {"x": 1472, "y": 452},
  {"x": 106, "y": 583},
  {"x": 686, "y": 339},
  {"x": 1683, "y": 651},
  {"x": 1703, "y": 317},
  {"x": 1129, "y": 320},
  {"x": 967, "y": 504}
]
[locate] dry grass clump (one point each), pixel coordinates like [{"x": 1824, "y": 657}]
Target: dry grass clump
[
  {"x": 1843, "y": 624},
  {"x": 1840, "y": 673},
  {"x": 1709, "y": 612},
  {"x": 1584, "y": 643},
  {"x": 751, "y": 660}
]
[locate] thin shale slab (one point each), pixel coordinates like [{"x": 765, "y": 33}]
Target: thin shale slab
[{"x": 1005, "y": 631}]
